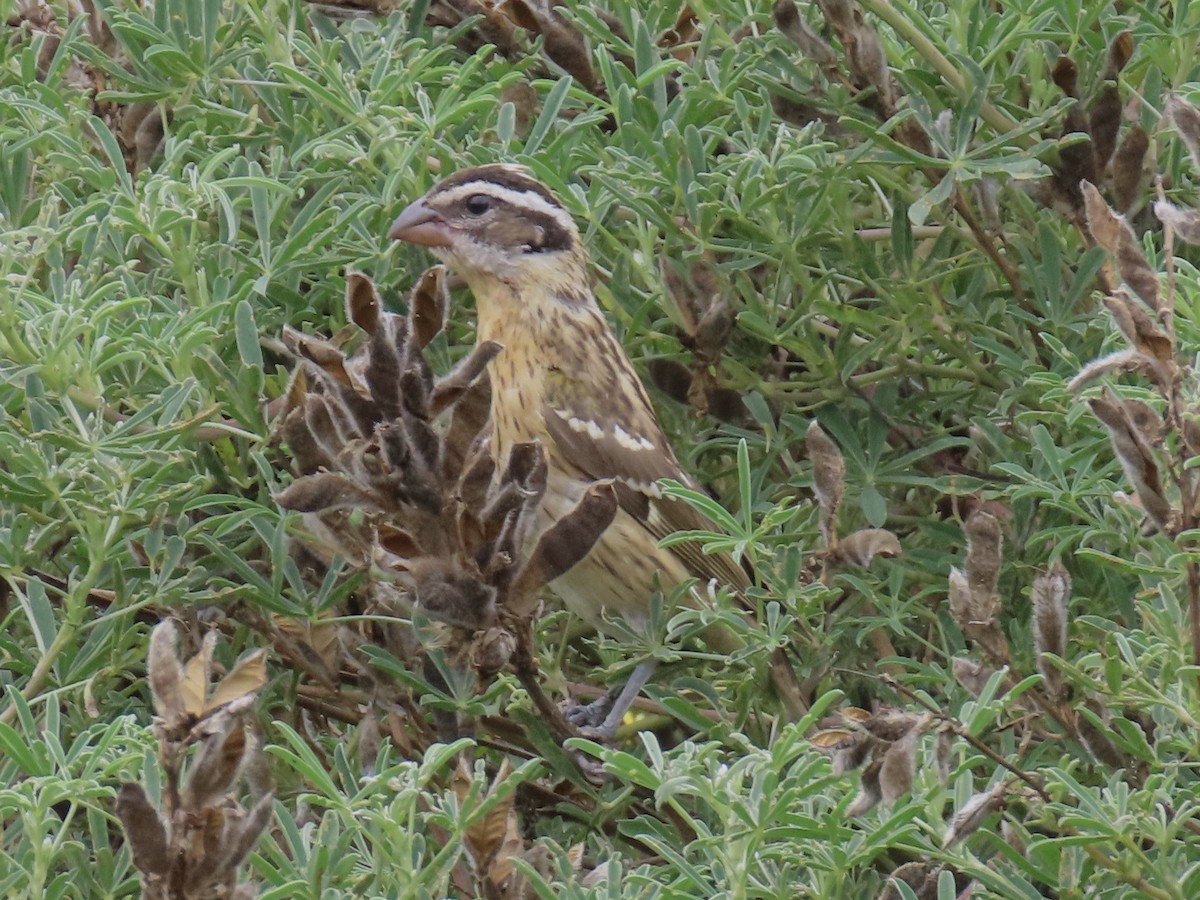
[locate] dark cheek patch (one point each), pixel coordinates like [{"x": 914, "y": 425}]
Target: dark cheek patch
[{"x": 530, "y": 232}]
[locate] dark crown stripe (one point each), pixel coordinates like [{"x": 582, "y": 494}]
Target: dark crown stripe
[{"x": 502, "y": 175}]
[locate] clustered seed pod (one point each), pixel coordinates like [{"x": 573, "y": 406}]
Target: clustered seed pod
[
  {"x": 396, "y": 477},
  {"x": 192, "y": 846}
]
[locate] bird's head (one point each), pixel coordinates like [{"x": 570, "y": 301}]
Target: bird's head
[{"x": 493, "y": 221}]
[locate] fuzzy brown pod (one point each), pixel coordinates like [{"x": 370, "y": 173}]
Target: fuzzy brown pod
[
  {"x": 899, "y": 767},
  {"x": 974, "y": 812},
  {"x": 1183, "y": 222},
  {"x": 869, "y": 791},
  {"x": 789, "y": 21},
  {"x": 1143, "y": 333},
  {"x": 1120, "y": 50},
  {"x": 192, "y": 846},
  {"x": 430, "y": 303},
  {"x": 799, "y": 112},
  {"x": 1065, "y": 74},
  {"x": 977, "y": 617},
  {"x": 1137, "y": 458},
  {"x": 696, "y": 306},
  {"x": 672, "y": 378},
  {"x": 1104, "y": 125},
  {"x": 1050, "y": 595},
  {"x": 524, "y": 99},
  {"x": 491, "y": 27},
  {"x": 1185, "y": 119},
  {"x": 973, "y": 676},
  {"x": 705, "y": 323},
  {"x": 984, "y": 555},
  {"x": 1117, "y": 362},
  {"x": 563, "y": 42},
  {"x": 882, "y": 744},
  {"x": 679, "y": 36},
  {"x": 1112, "y": 232},
  {"x": 829, "y": 479},
  {"x": 860, "y": 548},
  {"x": 1128, "y": 168}
]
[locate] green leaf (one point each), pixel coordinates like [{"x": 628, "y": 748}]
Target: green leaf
[
  {"x": 246, "y": 331},
  {"x": 549, "y": 115}
]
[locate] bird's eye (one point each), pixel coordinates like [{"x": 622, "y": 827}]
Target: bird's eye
[{"x": 478, "y": 204}]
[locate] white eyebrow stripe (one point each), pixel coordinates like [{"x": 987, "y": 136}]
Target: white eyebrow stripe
[{"x": 530, "y": 198}]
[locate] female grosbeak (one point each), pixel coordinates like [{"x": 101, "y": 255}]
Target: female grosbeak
[{"x": 564, "y": 380}]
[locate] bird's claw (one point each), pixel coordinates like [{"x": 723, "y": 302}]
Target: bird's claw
[{"x": 588, "y": 716}]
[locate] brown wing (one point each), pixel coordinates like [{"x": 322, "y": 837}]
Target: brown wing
[{"x": 614, "y": 434}]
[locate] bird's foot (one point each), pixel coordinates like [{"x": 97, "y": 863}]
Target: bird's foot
[
  {"x": 589, "y": 717},
  {"x": 601, "y": 718}
]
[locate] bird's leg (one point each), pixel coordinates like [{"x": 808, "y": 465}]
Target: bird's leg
[{"x": 612, "y": 705}]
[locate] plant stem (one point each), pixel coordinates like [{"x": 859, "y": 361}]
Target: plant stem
[
  {"x": 1137, "y": 881},
  {"x": 903, "y": 25}
]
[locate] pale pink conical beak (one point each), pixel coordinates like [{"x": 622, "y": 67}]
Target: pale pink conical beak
[{"x": 419, "y": 224}]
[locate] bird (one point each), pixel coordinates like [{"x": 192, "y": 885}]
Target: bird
[{"x": 563, "y": 379}]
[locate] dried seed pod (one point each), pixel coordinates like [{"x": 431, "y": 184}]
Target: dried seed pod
[
  {"x": 240, "y": 840},
  {"x": 1050, "y": 594},
  {"x": 790, "y": 23},
  {"x": 563, "y": 42},
  {"x": 869, "y": 792},
  {"x": 524, "y": 99},
  {"x": 861, "y": 547},
  {"x": 1120, "y": 49},
  {"x": 429, "y": 303},
  {"x": 363, "y": 305},
  {"x": 384, "y": 368},
  {"x": 562, "y": 545},
  {"x": 672, "y": 378},
  {"x": 984, "y": 548},
  {"x": 1136, "y": 458},
  {"x": 166, "y": 674},
  {"x": 460, "y": 599},
  {"x": 1112, "y": 232},
  {"x": 943, "y": 748},
  {"x": 1121, "y": 361},
  {"x": 324, "y": 491},
  {"x": 1184, "y": 222},
  {"x": 970, "y": 818},
  {"x": 493, "y": 651},
  {"x": 899, "y": 767},
  {"x": 713, "y": 329},
  {"x": 971, "y": 675},
  {"x": 1142, "y": 332},
  {"x": 1066, "y": 76},
  {"x": 148, "y": 137},
  {"x": 1128, "y": 168},
  {"x": 216, "y": 766},
  {"x": 144, "y": 829},
  {"x": 829, "y": 477},
  {"x": 977, "y": 614},
  {"x": 1104, "y": 125},
  {"x": 920, "y": 877},
  {"x": 1186, "y": 120}
]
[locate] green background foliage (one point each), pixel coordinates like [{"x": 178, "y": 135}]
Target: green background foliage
[{"x": 139, "y": 303}]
